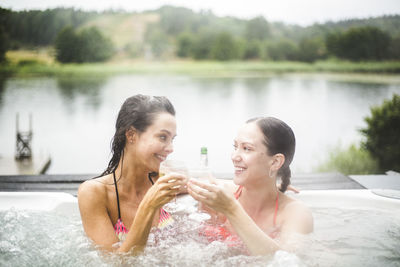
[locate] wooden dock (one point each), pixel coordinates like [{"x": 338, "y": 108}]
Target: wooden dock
[
  {"x": 24, "y": 162},
  {"x": 30, "y": 166}
]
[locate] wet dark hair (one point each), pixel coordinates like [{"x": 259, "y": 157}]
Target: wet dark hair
[
  {"x": 278, "y": 138},
  {"x": 137, "y": 111}
]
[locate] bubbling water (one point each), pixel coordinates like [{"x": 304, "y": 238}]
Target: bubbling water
[
  {"x": 342, "y": 237},
  {"x": 48, "y": 239}
]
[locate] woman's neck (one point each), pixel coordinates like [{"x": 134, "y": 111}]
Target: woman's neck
[
  {"x": 257, "y": 198},
  {"x": 134, "y": 178}
]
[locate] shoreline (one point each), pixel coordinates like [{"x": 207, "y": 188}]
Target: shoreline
[
  {"x": 203, "y": 70},
  {"x": 32, "y": 67}
]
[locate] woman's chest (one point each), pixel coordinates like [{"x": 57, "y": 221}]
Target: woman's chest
[{"x": 124, "y": 209}]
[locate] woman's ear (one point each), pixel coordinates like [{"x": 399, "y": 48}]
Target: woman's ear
[
  {"x": 131, "y": 135},
  {"x": 277, "y": 161}
]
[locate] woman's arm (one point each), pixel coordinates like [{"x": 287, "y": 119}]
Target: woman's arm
[
  {"x": 95, "y": 219},
  {"x": 164, "y": 190},
  {"x": 257, "y": 242},
  {"x": 97, "y": 223}
]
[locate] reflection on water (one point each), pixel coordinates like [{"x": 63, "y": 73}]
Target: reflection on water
[
  {"x": 2, "y": 89},
  {"x": 87, "y": 86},
  {"x": 74, "y": 117}
]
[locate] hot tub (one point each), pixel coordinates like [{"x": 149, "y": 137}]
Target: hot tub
[{"x": 351, "y": 228}]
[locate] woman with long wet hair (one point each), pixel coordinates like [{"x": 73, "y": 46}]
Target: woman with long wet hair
[{"x": 119, "y": 208}]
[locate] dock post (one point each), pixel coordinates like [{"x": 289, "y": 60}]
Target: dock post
[{"x": 24, "y": 139}]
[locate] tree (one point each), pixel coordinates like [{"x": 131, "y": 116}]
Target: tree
[
  {"x": 185, "y": 44},
  {"x": 3, "y": 44},
  {"x": 224, "y": 47},
  {"x": 95, "y": 47},
  {"x": 383, "y": 132},
  {"x": 394, "y": 49},
  {"x": 202, "y": 45},
  {"x": 311, "y": 49},
  {"x": 68, "y": 46},
  {"x": 257, "y": 29},
  {"x": 252, "y": 50},
  {"x": 282, "y": 50},
  {"x": 363, "y": 43},
  {"x": 4, "y": 38},
  {"x": 88, "y": 46}
]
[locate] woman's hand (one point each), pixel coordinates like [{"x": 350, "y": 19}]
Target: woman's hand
[
  {"x": 214, "y": 196},
  {"x": 164, "y": 190}
]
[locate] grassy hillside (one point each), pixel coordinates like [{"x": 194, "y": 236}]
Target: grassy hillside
[{"x": 123, "y": 29}]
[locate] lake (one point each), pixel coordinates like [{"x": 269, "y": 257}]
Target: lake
[{"x": 74, "y": 117}]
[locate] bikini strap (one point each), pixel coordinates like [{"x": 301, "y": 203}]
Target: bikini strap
[
  {"x": 238, "y": 192},
  {"x": 116, "y": 192},
  {"x": 150, "y": 177}
]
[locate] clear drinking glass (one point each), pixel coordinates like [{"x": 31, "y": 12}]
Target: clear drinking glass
[
  {"x": 203, "y": 174},
  {"x": 169, "y": 166}
]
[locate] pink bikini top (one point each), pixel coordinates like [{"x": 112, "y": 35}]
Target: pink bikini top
[
  {"x": 220, "y": 232},
  {"x": 121, "y": 230}
]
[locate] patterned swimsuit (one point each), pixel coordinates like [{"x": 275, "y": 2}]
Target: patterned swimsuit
[{"x": 121, "y": 230}]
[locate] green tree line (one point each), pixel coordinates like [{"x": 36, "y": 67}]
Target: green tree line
[
  {"x": 40, "y": 28},
  {"x": 180, "y": 32},
  {"x": 88, "y": 45}
]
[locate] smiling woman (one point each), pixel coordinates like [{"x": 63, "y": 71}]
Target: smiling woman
[
  {"x": 256, "y": 210},
  {"x": 145, "y": 130}
]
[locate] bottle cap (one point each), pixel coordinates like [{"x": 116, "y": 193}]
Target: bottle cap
[{"x": 204, "y": 150}]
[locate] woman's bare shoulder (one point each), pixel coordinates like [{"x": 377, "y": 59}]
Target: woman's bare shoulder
[
  {"x": 295, "y": 205},
  {"x": 93, "y": 189},
  {"x": 297, "y": 213}
]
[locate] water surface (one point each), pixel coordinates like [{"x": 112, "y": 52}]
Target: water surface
[
  {"x": 74, "y": 117},
  {"x": 342, "y": 237}
]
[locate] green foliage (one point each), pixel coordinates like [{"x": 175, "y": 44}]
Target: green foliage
[
  {"x": 352, "y": 160},
  {"x": 182, "y": 31},
  {"x": 224, "y": 47},
  {"x": 4, "y": 43},
  {"x": 67, "y": 46},
  {"x": 383, "y": 133},
  {"x": 37, "y": 27},
  {"x": 394, "y": 48},
  {"x": 364, "y": 43},
  {"x": 95, "y": 47},
  {"x": 4, "y": 38},
  {"x": 87, "y": 46},
  {"x": 311, "y": 50},
  {"x": 282, "y": 50},
  {"x": 257, "y": 29},
  {"x": 202, "y": 45},
  {"x": 29, "y": 62},
  {"x": 185, "y": 44},
  {"x": 252, "y": 50}
]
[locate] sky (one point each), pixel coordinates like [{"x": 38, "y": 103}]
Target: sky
[{"x": 301, "y": 12}]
